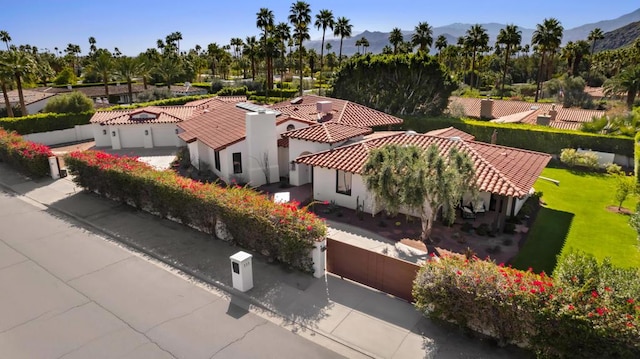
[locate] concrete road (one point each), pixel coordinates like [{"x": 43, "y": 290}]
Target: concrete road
[{"x": 67, "y": 293}]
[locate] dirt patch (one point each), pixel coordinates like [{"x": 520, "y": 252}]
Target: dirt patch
[
  {"x": 414, "y": 244},
  {"x": 614, "y": 209}
]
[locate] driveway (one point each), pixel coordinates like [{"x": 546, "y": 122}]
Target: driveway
[{"x": 159, "y": 157}]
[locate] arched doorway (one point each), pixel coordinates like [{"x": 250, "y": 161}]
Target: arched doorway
[{"x": 301, "y": 174}]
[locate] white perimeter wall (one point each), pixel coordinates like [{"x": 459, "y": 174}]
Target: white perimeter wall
[{"x": 78, "y": 133}]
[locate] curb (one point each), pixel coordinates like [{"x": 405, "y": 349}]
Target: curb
[{"x": 188, "y": 271}]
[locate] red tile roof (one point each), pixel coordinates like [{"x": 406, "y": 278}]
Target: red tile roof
[
  {"x": 215, "y": 100},
  {"x": 283, "y": 142},
  {"x": 344, "y": 112},
  {"x": 328, "y": 132},
  {"x": 451, "y": 132},
  {"x": 218, "y": 126},
  {"x": 502, "y": 109},
  {"x": 168, "y": 114},
  {"x": 499, "y": 169}
]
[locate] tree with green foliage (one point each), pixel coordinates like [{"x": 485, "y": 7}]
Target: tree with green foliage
[
  {"x": 66, "y": 77},
  {"x": 475, "y": 40},
  {"x": 169, "y": 68},
  {"x": 6, "y": 78},
  {"x": 20, "y": 64},
  {"x": 547, "y": 37},
  {"x": 250, "y": 50},
  {"x": 424, "y": 181},
  {"x": 265, "y": 21},
  {"x": 73, "y": 102},
  {"x": 406, "y": 84},
  {"x": 5, "y": 37},
  {"x": 511, "y": 38},
  {"x": 595, "y": 35},
  {"x": 324, "y": 20},
  {"x": 441, "y": 43},
  {"x": 126, "y": 68},
  {"x": 103, "y": 64},
  {"x": 625, "y": 186},
  {"x": 422, "y": 37},
  {"x": 342, "y": 29},
  {"x": 300, "y": 18},
  {"x": 627, "y": 81},
  {"x": 395, "y": 38}
]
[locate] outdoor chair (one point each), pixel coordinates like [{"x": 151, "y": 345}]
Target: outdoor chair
[
  {"x": 467, "y": 213},
  {"x": 478, "y": 207}
]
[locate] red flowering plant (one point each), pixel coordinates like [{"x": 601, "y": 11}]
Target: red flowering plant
[
  {"x": 26, "y": 156},
  {"x": 534, "y": 310},
  {"x": 281, "y": 232}
]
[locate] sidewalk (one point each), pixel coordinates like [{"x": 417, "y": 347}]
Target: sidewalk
[{"x": 350, "y": 319}]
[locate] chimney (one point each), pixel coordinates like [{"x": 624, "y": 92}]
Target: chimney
[
  {"x": 262, "y": 147},
  {"x": 543, "y": 120},
  {"x": 486, "y": 109},
  {"x": 553, "y": 113},
  {"x": 323, "y": 106}
]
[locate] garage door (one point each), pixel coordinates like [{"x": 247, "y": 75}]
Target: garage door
[{"x": 131, "y": 137}]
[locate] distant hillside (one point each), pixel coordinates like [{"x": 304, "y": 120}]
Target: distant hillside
[
  {"x": 377, "y": 39},
  {"x": 621, "y": 37}
]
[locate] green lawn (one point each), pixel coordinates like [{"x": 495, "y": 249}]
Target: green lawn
[{"x": 576, "y": 217}]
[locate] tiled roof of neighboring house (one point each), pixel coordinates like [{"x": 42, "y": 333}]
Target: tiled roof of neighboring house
[
  {"x": 215, "y": 100},
  {"x": 328, "y": 132},
  {"x": 342, "y": 111},
  {"x": 188, "y": 90},
  {"x": 509, "y": 111},
  {"x": 168, "y": 114},
  {"x": 29, "y": 97},
  {"x": 565, "y": 125},
  {"x": 451, "y": 132},
  {"x": 499, "y": 169}
]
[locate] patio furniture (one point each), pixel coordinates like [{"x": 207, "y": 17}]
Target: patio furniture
[
  {"x": 478, "y": 207},
  {"x": 467, "y": 213}
]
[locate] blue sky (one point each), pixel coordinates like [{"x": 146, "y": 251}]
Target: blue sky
[{"x": 135, "y": 25}]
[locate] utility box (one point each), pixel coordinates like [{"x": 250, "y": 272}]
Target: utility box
[{"x": 242, "y": 271}]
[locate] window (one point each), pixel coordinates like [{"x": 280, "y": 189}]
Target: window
[
  {"x": 237, "y": 162},
  {"x": 216, "y": 158},
  {"x": 291, "y": 127},
  {"x": 343, "y": 182}
]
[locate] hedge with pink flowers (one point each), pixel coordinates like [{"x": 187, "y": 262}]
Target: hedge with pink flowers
[
  {"x": 281, "y": 232},
  {"x": 28, "y": 157},
  {"x": 587, "y": 310}
]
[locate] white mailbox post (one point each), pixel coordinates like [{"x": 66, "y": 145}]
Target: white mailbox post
[{"x": 241, "y": 271}]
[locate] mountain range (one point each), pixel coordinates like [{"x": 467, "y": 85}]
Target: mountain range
[{"x": 377, "y": 39}]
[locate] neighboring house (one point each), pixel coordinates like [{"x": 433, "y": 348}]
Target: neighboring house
[
  {"x": 246, "y": 143},
  {"x": 503, "y": 111},
  {"x": 505, "y": 175},
  {"x": 119, "y": 93},
  {"x": 34, "y": 100},
  {"x": 146, "y": 127}
]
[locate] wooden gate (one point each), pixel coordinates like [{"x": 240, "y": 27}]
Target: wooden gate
[{"x": 376, "y": 270}]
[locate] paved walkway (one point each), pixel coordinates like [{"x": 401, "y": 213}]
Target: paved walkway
[{"x": 343, "y": 316}]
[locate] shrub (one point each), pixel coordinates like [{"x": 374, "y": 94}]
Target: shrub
[
  {"x": 66, "y": 77},
  {"x": 636, "y": 156},
  {"x": 166, "y": 102},
  {"x": 232, "y": 91},
  {"x": 28, "y": 157},
  {"x": 153, "y": 95},
  {"x": 43, "y": 122},
  {"x": 73, "y": 102},
  {"x": 573, "y": 158},
  {"x": 281, "y": 232},
  {"x": 588, "y": 310}
]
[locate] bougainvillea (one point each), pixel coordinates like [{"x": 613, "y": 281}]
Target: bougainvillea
[
  {"x": 28, "y": 157},
  {"x": 531, "y": 310},
  {"x": 282, "y": 232}
]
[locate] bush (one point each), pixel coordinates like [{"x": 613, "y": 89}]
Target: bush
[
  {"x": 588, "y": 310},
  {"x": 66, "y": 77},
  {"x": 636, "y": 156},
  {"x": 281, "y": 232},
  {"x": 43, "y": 122},
  {"x": 28, "y": 157},
  {"x": 73, "y": 102},
  {"x": 528, "y": 90},
  {"x": 166, "y": 102},
  {"x": 232, "y": 91},
  {"x": 154, "y": 94},
  {"x": 572, "y": 158},
  {"x": 216, "y": 85}
]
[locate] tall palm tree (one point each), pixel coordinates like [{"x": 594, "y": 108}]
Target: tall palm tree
[
  {"x": 103, "y": 64},
  {"x": 547, "y": 37},
  {"x": 6, "y": 77},
  {"x": 92, "y": 45},
  {"x": 475, "y": 40},
  {"x": 627, "y": 81},
  {"x": 20, "y": 64},
  {"x": 300, "y": 18},
  {"x": 283, "y": 34},
  {"x": 395, "y": 38},
  {"x": 422, "y": 37},
  {"x": 343, "y": 29},
  {"x": 73, "y": 51},
  {"x": 365, "y": 44},
  {"x": 265, "y": 22},
  {"x": 511, "y": 38},
  {"x": 169, "y": 68},
  {"x": 127, "y": 68},
  {"x": 5, "y": 37},
  {"x": 324, "y": 20},
  {"x": 595, "y": 35},
  {"x": 441, "y": 43},
  {"x": 251, "y": 51}
]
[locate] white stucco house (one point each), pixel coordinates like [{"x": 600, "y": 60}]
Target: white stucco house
[
  {"x": 504, "y": 175},
  {"x": 35, "y": 101}
]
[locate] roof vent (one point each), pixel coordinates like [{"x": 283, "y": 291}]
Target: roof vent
[
  {"x": 455, "y": 138},
  {"x": 323, "y": 106},
  {"x": 410, "y": 132},
  {"x": 206, "y": 110},
  {"x": 535, "y": 107},
  {"x": 296, "y": 101}
]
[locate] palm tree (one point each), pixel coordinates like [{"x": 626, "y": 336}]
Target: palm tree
[
  {"x": 103, "y": 64},
  {"x": 324, "y": 20},
  {"x": 422, "y": 37},
  {"x": 441, "y": 43},
  {"x": 265, "y": 22},
  {"x": 365, "y": 44},
  {"x": 300, "y": 17},
  {"x": 20, "y": 64},
  {"x": 5, "y": 37},
  {"x": 127, "y": 68},
  {"x": 251, "y": 51},
  {"x": 475, "y": 40},
  {"x": 595, "y": 35},
  {"x": 92, "y": 45},
  {"x": 283, "y": 34},
  {"x": 395, "y": 38},
  {"x": 343, "y": 29},
  {"x": 547, "y": 37},
  {"x": 6, "y": 77},
  {"x": 169, "y": 68},
  {"x": 511, "y": 38},
  {"x": 626, "y": 81}
]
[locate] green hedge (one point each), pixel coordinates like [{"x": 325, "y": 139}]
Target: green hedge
[
  {"x": 530, "y": 137},
  {"x": 28, "y": 157},
  {"x": 636, "y": 152},
  {"x": 280, "y": 232},
  {"x": 43, "y": 122},
  {"x": 588, "y": 310},
  {"x": 175, "y": 101},
  {"x": 95, "y": 84}
]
